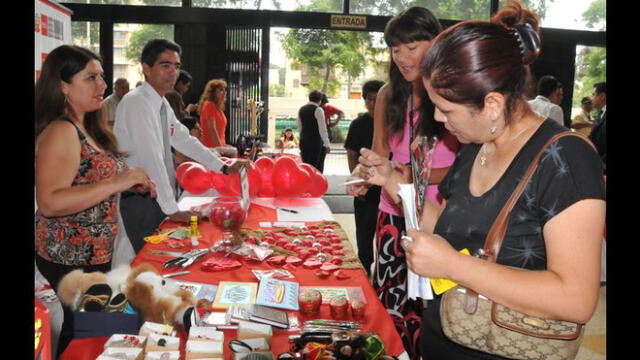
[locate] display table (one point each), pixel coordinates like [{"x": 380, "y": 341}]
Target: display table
[{"x": 376, "y": 319}]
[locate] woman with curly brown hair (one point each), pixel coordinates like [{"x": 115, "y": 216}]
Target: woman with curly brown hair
[{"x": 211, "y": 107}]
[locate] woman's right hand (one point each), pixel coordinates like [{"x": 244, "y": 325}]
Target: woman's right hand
[
  {"x": 134, "y": 177},
  {"x": 374, "y": 168}
]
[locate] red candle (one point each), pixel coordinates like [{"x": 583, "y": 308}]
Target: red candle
[
  {"x": 339, "y": 307},
  {"x": 357, "y": 309},
  {"x": 310, "y": 301}
]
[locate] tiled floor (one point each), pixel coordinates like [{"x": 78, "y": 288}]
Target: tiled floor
[{"x": 594, "y": 341}]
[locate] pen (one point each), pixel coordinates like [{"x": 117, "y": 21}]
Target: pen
[
  {"x": 176, "y": 274},
  {"x": 288, "y": 210},
  {"x": 354, "y": 181}
]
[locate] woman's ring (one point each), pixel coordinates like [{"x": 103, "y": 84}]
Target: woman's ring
[
  {"x": 405, "y": 241},
  {"x": 372, "y": 172}
]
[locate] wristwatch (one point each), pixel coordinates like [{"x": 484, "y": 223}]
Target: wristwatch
[{"x": 225, "y": 169}]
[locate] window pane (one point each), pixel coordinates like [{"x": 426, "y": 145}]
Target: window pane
[
  {"x": 570, "y": 14},
  {"x": 86, "y": 34},
  {"x": 284, "y": 5},
  {"x": 591, "y": 68},
  {"x": 127, "y": 2},
  {"x": 128, "y": 41},
  {"x": 451, "y": 10}
]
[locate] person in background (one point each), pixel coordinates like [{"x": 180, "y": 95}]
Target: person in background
[
  {"x": 329, "y": 113},
  {"x": 365, "y": 207},
  {"x": 314, "y": 141},
  {"x": 120, "y": 89},
  {"x": 582, "y": 122},
  {"x": 176, "y": 97},
  {"x": 146, "y": 129},
  {"x": 403, "y": 112},
  {"x": 289, "y": 141},
  {"x": 79, "y": 171},
  {"x": 194, "y": 130},
  {"x": 555, "y": 231},
  {"x": 546, "y": 104},
  {"x": 211, "y": 107},
  {"x": 598, "y": 134}
]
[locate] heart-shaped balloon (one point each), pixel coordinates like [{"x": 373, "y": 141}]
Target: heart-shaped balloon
[
  {"x": 195, "y": 179},
  {"x": 289, "y": 179},
  {"x": 265, "y": 167},
  {"x": 319, "y": 184}
]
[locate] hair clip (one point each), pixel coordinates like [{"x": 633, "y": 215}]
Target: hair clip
[{"x": 528, "y": 41}]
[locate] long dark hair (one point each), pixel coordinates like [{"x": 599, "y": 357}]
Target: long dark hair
[
  {"x": 61, "y": 65},
  {"x": 414, "y": 24},
  {"x": 473, "y": 58}
]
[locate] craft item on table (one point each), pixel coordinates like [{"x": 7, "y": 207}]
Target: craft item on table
[
  {"x": 235, "y": 293},
  {"x": 198, "y": 349},
  {"x": 174, "y": 274},
  {"x": 85, "y": 291},
  {"x": 329, "y": 267},
  {"x": 309, "y": 301},
  {"x": 278, "y": 293},
  {"x": 359, "y": 346},
  {"x": 156, "y": 342},
  {"x": 252, "y": 251},
  {"x": 248, "y": 345},
  {"x": 341, "y": 275},
  {"x": 125, "y": 341},
  {"x": 258, "y": 313},
  {"x": 330, "y": 325},
  {"x": 187, "y": 259},
  {"x": 199, "y": 290},
  {"x": 220, "y": 320},
  {"x": 163, "y": 355},
  {"x": 205, "y": 333},
  {"x": 312, "y": 264},
  {"x": 357, "y": 309},
  {"x": 273, "y": 274},
  {"x": 193, "y": 230},
  {"x": 122, "y": 353},
  {"x": 149, "y": 328},
  {"x": 276, "y": 260},
  {"x": 157, "y": 239},
  {"x": 252, "y": 330},
  {"x": 322, "y": 274},
  {"x": 350, "y": 292},
  {"x": 175, "y": 244},
  {"x": 339, "y": 306},
  {"x": 254, "y": 355},
  {"x": 293, "y": 260},
  {"x": 167, "y": 253},
  {"x": 216, "y": 263}
]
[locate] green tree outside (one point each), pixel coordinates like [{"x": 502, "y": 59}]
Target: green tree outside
[{"x": 591, "y": 62}]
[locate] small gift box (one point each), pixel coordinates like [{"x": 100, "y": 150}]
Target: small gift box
[
  {"x": 125, "y": 341},
  {"x": 122, "y": 353},
  {"x": 205, "y": 333},
  {"x": 156, "y": 342},
  {"x": 198, "y": 349},
  {"x": 251, "y": 330},
  {"x": 163, "y": 355},
  {"x": 156, "y": 328}
]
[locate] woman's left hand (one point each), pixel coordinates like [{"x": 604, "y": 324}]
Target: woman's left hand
[{"x": 429, "y": 255}]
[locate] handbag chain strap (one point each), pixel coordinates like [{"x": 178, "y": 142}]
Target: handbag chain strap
[{"x": 495, "y": 237}]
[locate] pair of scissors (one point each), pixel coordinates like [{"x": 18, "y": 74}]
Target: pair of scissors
[{"x": 186, "y": 259}]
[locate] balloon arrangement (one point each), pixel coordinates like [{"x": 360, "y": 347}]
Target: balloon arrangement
[{"x": 284, "y": 177}]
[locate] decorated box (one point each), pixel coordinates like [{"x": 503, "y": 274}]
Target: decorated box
[{"x": 198, "y": 349}]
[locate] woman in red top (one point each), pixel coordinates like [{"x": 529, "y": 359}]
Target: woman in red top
[
  {"x": 79, "y": 170},
  {"x": 213, "y": 121}
]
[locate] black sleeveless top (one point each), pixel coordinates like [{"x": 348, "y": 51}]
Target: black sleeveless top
[
  {"x": 309, "y": 134},
  {"x": 570, "y": 170}
]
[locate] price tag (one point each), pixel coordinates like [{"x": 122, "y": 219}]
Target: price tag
[{"x": 441, "y": 285}]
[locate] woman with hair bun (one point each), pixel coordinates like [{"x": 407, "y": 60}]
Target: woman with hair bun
[{"x": 475, "y": 74}]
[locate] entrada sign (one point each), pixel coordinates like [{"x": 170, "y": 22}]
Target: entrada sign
[{"x": 349, "y": 21}]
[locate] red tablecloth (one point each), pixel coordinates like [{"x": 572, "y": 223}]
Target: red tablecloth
[{"x": 377, "y": 319}]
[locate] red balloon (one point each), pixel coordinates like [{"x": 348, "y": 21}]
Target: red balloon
[
  {"x": 182, "y": 168},
  {"x": 289, "y": 179},
  {"x": 319, "y": 185},
  {"x": 196, "y": 179},
  {"x": 265, "y": 168},
  {"x": 229, "y": 185}
]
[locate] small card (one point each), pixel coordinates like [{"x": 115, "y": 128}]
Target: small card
[
  {"x": 205, "y": 333},
  {"x": 163, "y": 355},
  {"x": 157, "y": 342},
  {"x": 125, "y": 341},
  {"x": 442, "y": 285},
  {"x": 196, "y": 349},
  {"x": 156, "y": 328},
  {"x": 235, "y": 293},
  {"x": 278, "y": 293},
  {"x": 123, "y": 353}
]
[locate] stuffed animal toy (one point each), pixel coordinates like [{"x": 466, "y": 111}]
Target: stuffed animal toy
[
  {"x": 87, "y": 291},
  {"x": 158, "y": 299}
]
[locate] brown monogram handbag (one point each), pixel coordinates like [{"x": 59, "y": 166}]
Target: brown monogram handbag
[{"x": 478, "y": 323}]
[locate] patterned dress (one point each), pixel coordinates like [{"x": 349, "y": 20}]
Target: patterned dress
[{"x": 87, "y": 237}]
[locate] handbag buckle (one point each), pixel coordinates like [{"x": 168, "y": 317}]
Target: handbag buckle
[{"x": 539, "y": 323}]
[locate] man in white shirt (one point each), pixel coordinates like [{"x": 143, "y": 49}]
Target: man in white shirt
[
  {"x": 146, "y": 128},
  {"x": 120, "y": 89},
  {"x": 549, "y": 98},
  {"x": 314, "y": 141}
]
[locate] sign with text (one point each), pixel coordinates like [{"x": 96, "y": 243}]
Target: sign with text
[{"x": 349, "y": 21}]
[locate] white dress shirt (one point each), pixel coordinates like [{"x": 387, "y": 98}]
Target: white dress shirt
[
  {"x": 322, "y": 125},
  {"x": 139, "y": 134},
  {"x": 547, "y": 109},
  {"x": 111, "y": 104}
]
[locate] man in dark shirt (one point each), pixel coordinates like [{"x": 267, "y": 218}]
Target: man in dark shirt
[
  {"x": 598, "y": 133},
  {"x": 365, "y": 207}
]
